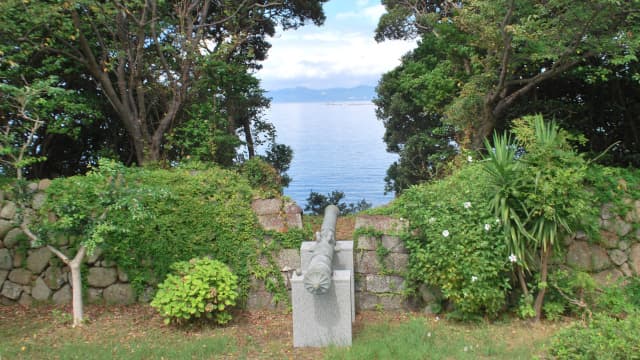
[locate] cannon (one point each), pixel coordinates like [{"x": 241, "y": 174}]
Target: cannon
[
  {"x": 317, "y": 279},
  {"x": 322, "y": 289}
]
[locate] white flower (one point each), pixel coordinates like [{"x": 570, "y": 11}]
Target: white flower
[
  {"x": 497, "y": 221},
  {"x": 445, "y": 233},
  {"x": 470, "y": 158},
  {"x": 513, "y": 258},
  {"x": 467, "y": 205},
  {"x": 487, "y": 227},
  {"x": 428, "y": 334},
  {"x": 474, "y": 278},
  {"x": 432, "y": 220}
]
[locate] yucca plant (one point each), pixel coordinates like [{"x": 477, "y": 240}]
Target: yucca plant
[{"x": 538, "y": 194}]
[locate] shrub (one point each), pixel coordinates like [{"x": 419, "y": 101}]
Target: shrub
[
  {"x": 262, "y": 175},
  {"x": 316, "y": 203},
  {"x": 187, "y": 214},
  {"x": 197, "y": 287},
  {"x": 603, "y": 338},
  {"x": 455, "y": 243}
]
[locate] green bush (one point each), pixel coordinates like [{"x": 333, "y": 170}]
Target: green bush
[
  {"x": 183, "y": 214},
  {"x": 196, "y": 288},
  {"x": 602, "y": 338},
  {"x": 455, "y": 243},
  {"x": 261, "y": 175}
]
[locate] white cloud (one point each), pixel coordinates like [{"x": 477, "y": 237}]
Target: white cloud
[
  {"x": 319, "y": 57},
  {"x": 338, "y": 54},
  {"x": 372, "y": 13}
]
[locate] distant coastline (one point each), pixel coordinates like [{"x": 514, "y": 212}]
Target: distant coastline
[{"x": 330, "y": 96}]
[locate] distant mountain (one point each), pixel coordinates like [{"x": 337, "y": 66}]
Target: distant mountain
[{"x": 302, "y": 94}]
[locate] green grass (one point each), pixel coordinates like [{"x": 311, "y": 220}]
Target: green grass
[
  {"x": 423, "y": 339},
  {"x": 137, "y": 332}
]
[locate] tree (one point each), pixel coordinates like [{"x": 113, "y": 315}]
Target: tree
[
  {"x": 516, "y": 46},
  {"x": 145, "y": 55},
  {"x": 539, "y": 196},
  {"x": 409, "y": 102}
]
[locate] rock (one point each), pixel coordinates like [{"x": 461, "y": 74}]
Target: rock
[
  {"x": 266, "y": 206},
  {"x": 288, "y": 258},
  {"x": 367, "y": 242},
  {"x": 608, "y": 277},
  {"x": 95, "y": 256},
  {"x": 119, "y": 294},
  {"x": 62, "y": 296},
  {"x": 101, "y": 277},
  {"x": 8, "y": 211},
  {"x": 40, "y": 291},
  {"x": 6, "y": 261},
  {"x": 634, "y": 258},
  {"x": 366, "y": 262},
  {"x": 429, "y": 294},
  {"x": 626, "y": 270},
  {"x": 581, "y": 236},
  {"x": 5, "y": 226},
  {"x": 108, "y": 263},
  {"x": 25, "y": 300},
  {"x": 294, "y": 221},
  {"x": 608, "y": 225},
  {"x": 3, "y": 276},
  {"x": 618, "y": 257},
  {"x": 11, "y": 290},
  {"x": 623, "y": 227},
  {"x": 397, "y": 262},
  {"x": 18, "y": 259},
  {"x": 44, "y": 184},
  {"x": 32, "y": 187},
  {"x": 623, "y": 245},
  {"x": 147, "y": 295},
  {"x": 94, "y": 295},
  {"x": 384, "y": 284},
  {"x": 393, "y": 243},
  {"x": 20, "y": 276},
  {"x": 54, "y": 277},
  {"x": 385, "y": 224},
  {"x": 599, "y": 258},
  {"x": 587, "y": 257},
  {"x": 122, "y": 276},
  {"x": 38, "y": 200},
  {"x": 606, "y": 212},
  {"x": 609, "y": 239},
  {"x": 13, "y": 236},
  {"x": 38, "y": 260},
  {"x": 274, "y": 222}
]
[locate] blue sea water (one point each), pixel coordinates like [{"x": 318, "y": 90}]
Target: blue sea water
[{"x": 336, "y": 146}]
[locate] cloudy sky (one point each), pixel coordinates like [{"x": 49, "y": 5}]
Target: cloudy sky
[{"x": 341, "y": 53}]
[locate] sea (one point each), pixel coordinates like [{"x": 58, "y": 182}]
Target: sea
[{"x": 336, "y": 146}]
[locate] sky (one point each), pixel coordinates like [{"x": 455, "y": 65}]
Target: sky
[{"x": 341, "y": 53}]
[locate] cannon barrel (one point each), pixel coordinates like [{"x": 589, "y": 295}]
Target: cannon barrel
[{"x": 317, "y": 279}]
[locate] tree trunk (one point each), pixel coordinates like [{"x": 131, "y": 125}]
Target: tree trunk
[
  {"x": 76, "y": 281},
  {"x": 248, "y": 138},
  {"x": 544, "y": 264},
  {"x": 484, "y": 129}
]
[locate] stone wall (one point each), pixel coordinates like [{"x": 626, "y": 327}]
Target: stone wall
[
  {"x": 617, "y": 254},
  {"x": 35, "y": 274},
  {"x": 30, "y": 274}
]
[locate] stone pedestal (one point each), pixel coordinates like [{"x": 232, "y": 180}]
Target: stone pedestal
[{"x": 323, "y": 320}]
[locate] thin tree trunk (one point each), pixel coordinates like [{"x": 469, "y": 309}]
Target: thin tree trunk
[
  {"x": 248, "y": 138},
  {"x": 76, "y": 281},
  {"x": 537, "y": 306}
]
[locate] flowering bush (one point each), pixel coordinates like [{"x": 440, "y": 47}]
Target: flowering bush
[{"x": 455, "y": 243}]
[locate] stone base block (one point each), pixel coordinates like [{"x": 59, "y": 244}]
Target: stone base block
[{"x": 322, "y": 320}]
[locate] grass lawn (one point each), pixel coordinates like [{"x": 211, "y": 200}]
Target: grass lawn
[{"x": 137, "y": 332}]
